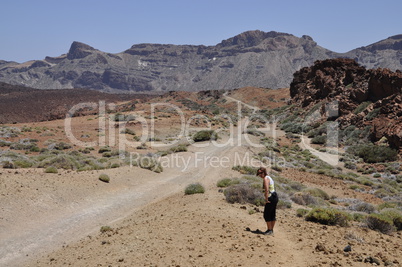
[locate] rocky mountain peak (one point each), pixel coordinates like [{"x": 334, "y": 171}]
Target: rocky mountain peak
[
  {"x": 250, "y": 38},
  {"x": 391, "y": 43},
  {"x": 79, "y": 50}
]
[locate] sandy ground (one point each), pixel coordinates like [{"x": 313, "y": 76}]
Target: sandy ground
[{"x": 55, "y": 219}]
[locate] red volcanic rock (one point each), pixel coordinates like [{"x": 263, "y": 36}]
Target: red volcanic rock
[
  {"x": 348, "y": 83},
  {"x": 384, "y": 83}
]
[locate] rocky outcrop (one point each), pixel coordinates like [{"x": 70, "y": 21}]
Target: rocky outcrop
[
  {"x": 79, "y": 50},
  {"x": 377, "y": 93},
  {"x": 253, "y": 58}
]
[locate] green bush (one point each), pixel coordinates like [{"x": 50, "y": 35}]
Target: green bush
[
  {"x": 205, "y": 135},
  {"x": 127, "y": 131},
  {"x": 352, "y": 135},
  {"x": 104, "y": 149},
  {"x": 150, "y": 163},
  {"x": 328, "y": 217},
  {"x": 255, "y": 132},
  {"x": 62, "y": 146},
  {"x": 196, "y": 188},
  {"x": 395, "y": 216},
  {"x": 365, "y": 181},
  {"x": 5, "y": 143},
  {"x": 9, "y": 165},
  {"x": 227, "y": 182},
  {"x": 301, "y": 212},
  {"x": 362, "y": 107},
  {"x": 398, "y": 223},
  {"x": 380, "y": 223},
  {"x": 294, "y": 127},
  {"x": 23, "y": 163},
  {"x": 386, "y": 205},
  {"x": 105, "y": 229},
  {"x": 179, "y": 148},
  {"x": 104, "y": 178},
  {"x": 245, "y": 169},
  {"x": 114, "y": 165},
  {"x": 107, "y": 154},
  {"x": 51, "y": 169},
  {"x": 34, "y": 149},
  {"x": 371, "y": 153},
  {"x": 373, "y": 114},
  {"x": 358, "y": 217},
  {"x": 119, "y": 117},
  {"x": 319, "y": 140}
]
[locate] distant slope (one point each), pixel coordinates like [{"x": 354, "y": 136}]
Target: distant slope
[
  {"x": 253, "y": 58},
  {"x": 23, "y": 104}
]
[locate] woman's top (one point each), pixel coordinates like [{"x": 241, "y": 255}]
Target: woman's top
[{"x": 271, "y": 184}]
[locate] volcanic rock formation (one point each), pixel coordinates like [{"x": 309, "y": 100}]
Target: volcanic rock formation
[{"x": 378, "y": 93}]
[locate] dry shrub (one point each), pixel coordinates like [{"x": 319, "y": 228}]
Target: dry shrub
[
  {"x": 305, "y": 199},
  {"x": 244, "y": 193},
  {"x": 316, "y": 192},
  {"x": 363, "y": 207},
  {"x": 61, "y": 161},
  {"x": 380, "y": 223}
]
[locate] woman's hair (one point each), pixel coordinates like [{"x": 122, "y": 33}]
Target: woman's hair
[{"x": 262, "y": 170}]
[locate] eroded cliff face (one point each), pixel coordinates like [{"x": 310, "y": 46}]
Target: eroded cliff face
[
  {"x": 378, "y": 93},
  {"x": 253, "y": 58}
]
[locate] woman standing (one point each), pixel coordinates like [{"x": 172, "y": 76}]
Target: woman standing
[{"x": 271, "y": 200}]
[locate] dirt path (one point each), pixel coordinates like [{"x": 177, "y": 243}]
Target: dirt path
[
  {"x": 332, "y": 159},
  {"x": 231, "y": 99}
]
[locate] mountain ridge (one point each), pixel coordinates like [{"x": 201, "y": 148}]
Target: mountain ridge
[{"x": 252, "y": 58}]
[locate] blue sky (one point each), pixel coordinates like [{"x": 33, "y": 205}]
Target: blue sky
[{"x": 36, "y": 29}]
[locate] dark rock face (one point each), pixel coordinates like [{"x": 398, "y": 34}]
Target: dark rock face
[
  {"x": 348, "y": 83},
  {"x": 253, "y": 58},
  {"x": 327, "y": 79},
  {"x": 79, "y": 50}
]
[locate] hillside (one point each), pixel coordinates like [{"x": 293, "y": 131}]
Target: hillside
[
  {"x": 23, "y": 104},
  {"x": 253, "y": 58}
]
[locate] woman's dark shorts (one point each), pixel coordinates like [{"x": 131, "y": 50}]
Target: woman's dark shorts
[{"x": 270, "y": 208}]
